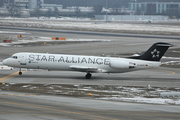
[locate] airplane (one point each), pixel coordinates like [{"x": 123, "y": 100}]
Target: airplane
[
  {"x": 147, "y": 21},
  {"x": 89, "y": 64}
]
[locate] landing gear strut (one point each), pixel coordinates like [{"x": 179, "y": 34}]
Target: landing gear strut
[
  {"x": 20, "y": 73},
  {"x": 88, "y": 75}
]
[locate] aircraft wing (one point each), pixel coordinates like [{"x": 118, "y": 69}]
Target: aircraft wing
[{"x": 83, "y": 68}]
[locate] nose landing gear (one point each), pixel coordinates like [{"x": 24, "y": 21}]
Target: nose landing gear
[
  {"x": 20, "y": 73},
  {"x": 88, "y": 75}
]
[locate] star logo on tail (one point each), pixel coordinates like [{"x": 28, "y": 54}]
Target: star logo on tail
[{"x": 155, "y": 53}]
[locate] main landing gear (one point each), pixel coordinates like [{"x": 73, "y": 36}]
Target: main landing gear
[
  {"x": 20, "y": 73},
  {"x": 88, "y": 75}
]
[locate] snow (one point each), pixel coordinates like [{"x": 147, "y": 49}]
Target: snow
[
  {"x": 33, "y": 87},
  {"x": 46, "y": 18},
  {"x": 130, "y": 94},
  {"x": 25, "y": 86},
  {"x": 136, "y": 55},
  {"x": 171, "y": 57},
  {"x": 3, "y": 67},
  {"x": 145, "y": 100},
  {"x": 91, "y": 25},
  {"x": 56, "y": 91},
  {"x": 5, "y": 44},
  {"x": 171, "y": 63},
  {"x": 47, "y": 39},
  {"x": 177, "y": 51},
  {"x": 9, "y": 32}
]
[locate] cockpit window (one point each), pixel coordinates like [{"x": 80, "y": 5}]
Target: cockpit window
[{"x": 15, "y": 57}]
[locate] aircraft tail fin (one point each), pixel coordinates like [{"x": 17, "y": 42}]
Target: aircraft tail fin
[{"x": 155, "y": 52}]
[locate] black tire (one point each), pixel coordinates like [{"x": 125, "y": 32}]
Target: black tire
[
  {"x": 88, "y": 76},
  {"x": 20, "y": 73}
]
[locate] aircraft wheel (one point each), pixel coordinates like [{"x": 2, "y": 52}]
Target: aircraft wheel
[
  {"x": 88, "y": 75},
  {"x": 20, "y": 73}
]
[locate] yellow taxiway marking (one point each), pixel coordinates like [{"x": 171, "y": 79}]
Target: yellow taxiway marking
[
  {"x": 21, "y": 94},
  {"x": 10, "y": 76},
  {"x": 170, "y": 72}
]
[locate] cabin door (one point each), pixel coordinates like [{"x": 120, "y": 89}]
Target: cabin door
[{"x": 23, "y": 59}]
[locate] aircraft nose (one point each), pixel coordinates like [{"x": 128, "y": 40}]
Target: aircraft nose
[{"x": 4, "y": 62}]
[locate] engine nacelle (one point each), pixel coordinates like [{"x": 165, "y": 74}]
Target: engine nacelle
[{"x": 118, "y": 64}]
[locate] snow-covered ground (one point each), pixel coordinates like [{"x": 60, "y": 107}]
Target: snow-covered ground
[
  {"x": 132, "y": 94},
  {"x": 173, "y": 61},
  {"x": 58, "y": 24},
  {"x": 13, "y": 32},
  {"x": 116, "y": 93},
  {"x": 44, "y": 39},
  {"x": 145, "y": 100},
  {"x": 47, "y": 18},
  {"x": 4, "y": 67}
]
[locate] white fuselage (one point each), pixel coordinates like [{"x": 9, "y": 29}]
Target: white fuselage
[{"x": 63, "y": 62}]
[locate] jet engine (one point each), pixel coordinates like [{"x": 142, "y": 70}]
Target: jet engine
[{"x": 117, "y": 64}]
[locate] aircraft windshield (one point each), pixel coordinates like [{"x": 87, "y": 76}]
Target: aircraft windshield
[{"x": 15, "y": 57}]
